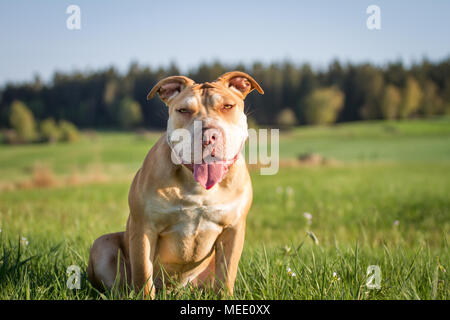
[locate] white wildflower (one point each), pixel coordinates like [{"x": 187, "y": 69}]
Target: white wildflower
[
  {"x": 290, "y": 273},
  {"x": 24, "y": 241},
  {"x": 308, "y": 217},
  {"x": 336, "y": 276}
]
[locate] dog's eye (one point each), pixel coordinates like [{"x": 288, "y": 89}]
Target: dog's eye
[
  {"x": 183, "y": 110},
  {"x": 228, "y": 106}
]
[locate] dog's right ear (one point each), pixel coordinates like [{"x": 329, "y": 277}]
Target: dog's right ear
[{"x": 169, "y": 87}]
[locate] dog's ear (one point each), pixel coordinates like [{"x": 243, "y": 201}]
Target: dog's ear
[
  {"x": 240, "y": 82},
  {"x": 169, "y": 87}
]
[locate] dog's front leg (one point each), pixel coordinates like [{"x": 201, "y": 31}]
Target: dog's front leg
[
  {"x": 142, "y": 244},
  {"x": 228, "y": 247}
]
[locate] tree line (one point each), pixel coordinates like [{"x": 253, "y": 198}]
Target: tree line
[{"x": 294, "y": 94}]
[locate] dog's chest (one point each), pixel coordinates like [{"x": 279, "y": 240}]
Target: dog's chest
[
  {"x": 193, "y": 214},
  {"x": 189, "y": 229}
]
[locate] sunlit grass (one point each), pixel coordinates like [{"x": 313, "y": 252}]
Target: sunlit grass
[{"x": 311, "y": 233}]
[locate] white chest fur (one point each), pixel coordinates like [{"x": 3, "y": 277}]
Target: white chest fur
[
  {"x": 189, "y": 226},
  {"x": 193, "y": 213}
]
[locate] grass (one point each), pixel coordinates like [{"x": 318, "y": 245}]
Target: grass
[{"x": 386, "y": 203}]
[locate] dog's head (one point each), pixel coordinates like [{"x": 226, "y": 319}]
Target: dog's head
[{"x": 207, "y": 126}]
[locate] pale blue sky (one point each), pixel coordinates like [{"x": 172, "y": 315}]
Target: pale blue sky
[{"x": 34, "y": 37}]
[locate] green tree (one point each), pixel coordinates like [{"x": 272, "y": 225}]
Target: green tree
[
  {"x": 69, "y": 131},
  {"x": 22, "y": 121},
  {"x": 49, "y": 131},
  {"x": 371, "y": 86},
  {"x": 129, "y": 113},
  {"x": 110, "y": 92},
  {"x": 322, "y": 106},
  {"x": 411, "y": 99},
  {"x": 286, "y": 118},
  {"x": 432, "y": 104},
  {"x": 390, "y": 102}
]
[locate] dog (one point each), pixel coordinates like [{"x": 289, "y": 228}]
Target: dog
[{"x": 188, "y": 206}]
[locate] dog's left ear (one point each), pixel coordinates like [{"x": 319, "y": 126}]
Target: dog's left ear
[
  {"x": 240, "y": 82},
  {"x": 169, "y": 87}
]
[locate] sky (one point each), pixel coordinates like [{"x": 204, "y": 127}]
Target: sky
[{"x": 35, "y": 40}]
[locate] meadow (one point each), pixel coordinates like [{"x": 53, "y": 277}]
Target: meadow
[{"x": 312, "y": 232}]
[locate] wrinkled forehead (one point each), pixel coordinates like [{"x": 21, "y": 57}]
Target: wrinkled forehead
[{"x": 209, "y": 94}]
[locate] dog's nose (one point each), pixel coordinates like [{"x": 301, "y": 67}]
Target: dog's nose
[{"x": 210, "y": 135}]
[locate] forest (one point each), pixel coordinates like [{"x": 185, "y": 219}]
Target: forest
[{"x": 295, "y": 94}]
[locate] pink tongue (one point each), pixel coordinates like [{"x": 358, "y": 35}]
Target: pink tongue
[{"x": 208, "y": 174}]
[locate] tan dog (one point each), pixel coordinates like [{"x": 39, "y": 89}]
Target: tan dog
[{"x": 187, "y": 221}]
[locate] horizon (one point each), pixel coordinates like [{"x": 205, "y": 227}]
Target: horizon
[{"x": 123, "y": 71}]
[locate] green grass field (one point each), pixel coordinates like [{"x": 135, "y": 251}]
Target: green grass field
[{"x": 385, "y": 202}]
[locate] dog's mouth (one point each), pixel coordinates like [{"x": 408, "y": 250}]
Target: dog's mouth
[
  {"x": 209, "y": 173},
  {"x": 213, "y": 166}
]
